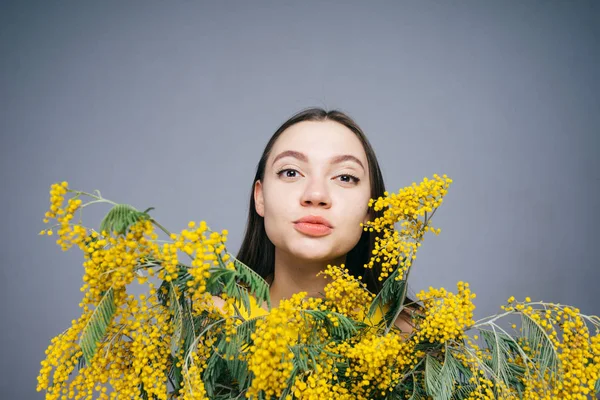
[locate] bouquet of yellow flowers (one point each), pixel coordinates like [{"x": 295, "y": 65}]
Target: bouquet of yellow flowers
[{"x": 173, "y": 342}]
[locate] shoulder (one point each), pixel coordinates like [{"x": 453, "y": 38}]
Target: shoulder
[
  {"x": 405, "y": 320},
  {"x": 219, "y": 303},
  {"x": 404, "y": 323}
]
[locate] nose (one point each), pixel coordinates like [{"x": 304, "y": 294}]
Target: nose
[{"x": 316, "y": 193}]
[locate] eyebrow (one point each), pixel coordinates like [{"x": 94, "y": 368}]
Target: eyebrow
[{"x": 304, "y": 158}]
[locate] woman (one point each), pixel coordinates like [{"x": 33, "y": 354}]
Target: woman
[{"x": 309, "y": 197}]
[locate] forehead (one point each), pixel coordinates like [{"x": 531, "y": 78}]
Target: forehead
[{"x": 319, "y": 140}]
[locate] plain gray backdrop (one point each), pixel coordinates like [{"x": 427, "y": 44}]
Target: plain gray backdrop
[{"x": 170, "y": 104}]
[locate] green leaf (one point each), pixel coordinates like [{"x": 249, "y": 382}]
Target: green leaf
[
  {"x": 389, "y": 291},
  {"x": 239, "y": 283},
  {"x": 440, "y": 379},
  {"x": 177, "y": 320},
  {"x": 143, "y": 393},
  {"x": 80, "y": 362},
  {"x": 189, "y": 325},
  {"x": 418, "y": 393},
  {"x": 245, "y": 330},
  {"x": 544, "y": 354},
  {"x": 96, "y": 327},
  {"x": 391, "y": 298},
  {"x": 464, "y": 391},
  {"x": 394, "y": 304},
  {"x": 215, "y": 368},
  {"x": 346, "y": 328},
  {"x": 120, "y": 218},
  {"x": 217, "y": 279},
  {"x": 239, "y": 293},
  {"x": 305, "y": 359},
  {"x": 500, "y": 351},
  {"x": 189, "y": 336},
  {"x": 256, "y": 284}
]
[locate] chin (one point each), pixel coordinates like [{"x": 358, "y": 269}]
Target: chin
[{"x": 314, "y": 251}]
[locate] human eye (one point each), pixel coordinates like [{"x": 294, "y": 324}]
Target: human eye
[
  {"x": 349, "y": 178},
  {"x": 287, "y": 173}
]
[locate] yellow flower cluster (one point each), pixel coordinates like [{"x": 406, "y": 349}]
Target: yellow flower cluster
[
  {"x": 484, "y": 388},
  {"x": 346, "y": 294},
  {"x": 376, "y": 362},
  {"x": 134, "y": 353},
  {"x": 62, "y": 356},
  {"x": 193, "y": 385},
  {"x": 471, "y": 357},
  {"x": 447, "y": 315},
  {"x": 69, "y": 234},
  {"x": 407, "y": 206},
  {"x": 270, "y": 359},
  {"x": 111, "y": 261},
  {"x": 411, "y": 202},
  {"x": 387, "y": 251},
  {"x": 202, "y": 246},
  {"x": 231, "y": 321},
  {"x": 320, "y": 383},
  {"x": 194, "y": 365},
  {"x": 578, "y": 352}
]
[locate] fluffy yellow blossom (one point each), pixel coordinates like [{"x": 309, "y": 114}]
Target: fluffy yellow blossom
[
  {"x": 406, "y": 207},
  {"x": 69, "y": 234},
  {"x": 193, "y": 385},
  {"x": 346, "y": 294},
  {"x": 320, "y": 383},
  {"x": 134, "y": 353},
  {"x": 447, "y": 314},
  {"x": 271, "y": 360},
  {"x": 376, "y": 362},
  {"x": 578, "y": 354},
  {"x": 112, "y": 261}
]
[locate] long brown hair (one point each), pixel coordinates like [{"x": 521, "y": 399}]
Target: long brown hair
[{"x": 258, "y": 252}]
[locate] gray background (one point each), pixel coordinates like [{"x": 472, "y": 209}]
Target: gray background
[{"x": 169, "y": 104}]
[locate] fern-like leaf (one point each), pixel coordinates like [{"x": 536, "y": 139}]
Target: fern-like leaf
[
  {"x": 96, "y": 327},
  {"x": 256, "y": 284},
  {"x": 239, "y": 283},
  {"x": 177, "y": 313},
  {"x": 544, "y": 354},
  {"x": 388, "y": 292},
  {"x": 418, "y": 393},
  {"x": 391, "y": 298},
  {"x": 245, "y": 330},
  {"x": 463, "y": 392},
  {"x": 500, "y": 352},
  {"x": 120, "y": 218},
  {"x": 439, "y": 379},
  {"x": 346, "y": 327}
]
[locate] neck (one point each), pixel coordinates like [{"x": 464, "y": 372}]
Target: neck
[{"x": 292, "y": 275}]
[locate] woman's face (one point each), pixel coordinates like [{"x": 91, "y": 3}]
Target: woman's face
[{"x": 315, "y": 168}]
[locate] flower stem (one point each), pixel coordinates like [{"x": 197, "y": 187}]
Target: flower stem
[
  {"x": 159, "y": 226},
  {"x": 99, "y": 198}
]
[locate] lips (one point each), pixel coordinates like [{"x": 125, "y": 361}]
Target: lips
[
  {"x": 313, "y": 225},
  {"x": 314, "y": 219}
]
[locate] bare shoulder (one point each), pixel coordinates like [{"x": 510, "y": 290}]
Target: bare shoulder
[
  {"x": 404, "y": 321},
  {"x": 219, "y": 302}
]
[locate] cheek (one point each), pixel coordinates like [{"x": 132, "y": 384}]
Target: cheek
[
  {"x": 276, "y": 213},
  {"x": 355, "y": 210},
  {"x": 351, "y": 218}
]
